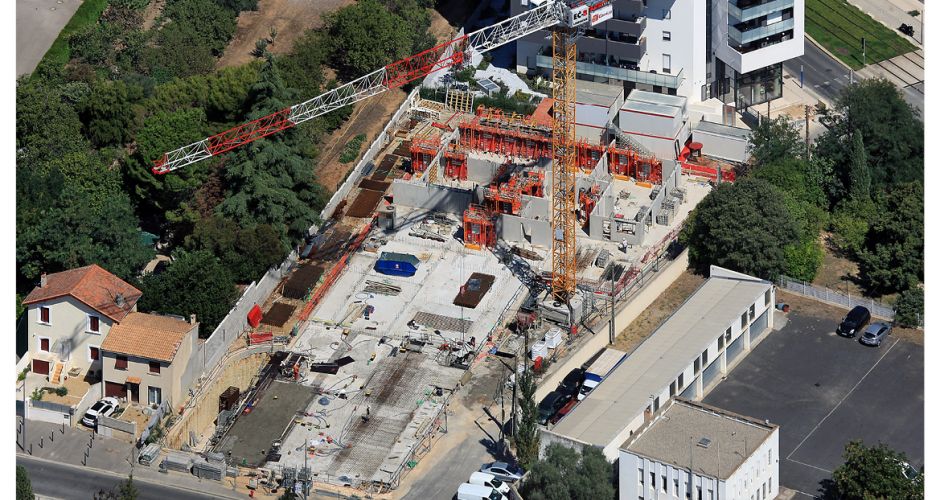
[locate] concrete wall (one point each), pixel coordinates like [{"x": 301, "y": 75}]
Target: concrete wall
[
  {"x": 51, "y": 416},
  {"x": 481, "y": 170},
  {"x": 68, "y": 320},
  {"x": 118, "y": 429},
  {"x": 514, "y": 229},
  {"x": 431, "y": 197}
]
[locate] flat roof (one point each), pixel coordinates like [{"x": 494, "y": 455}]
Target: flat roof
[
  {"x": 657, "y": 98},
  {"x": 701, "y": 437},
  {"x": 648, "y": 108},
  {"x": 597, "y": 93},
  {"x": 488, "y": 85},
  {"x": 610, "y": 407},
  {"x": 726, "y": 130}
]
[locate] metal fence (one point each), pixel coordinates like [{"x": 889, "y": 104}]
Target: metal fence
[{"x": 833, "y": 297}]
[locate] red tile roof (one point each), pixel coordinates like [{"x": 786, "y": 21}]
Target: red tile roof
[
  {"x": 148, "y": 336},
  {"x": 92, "y": 285}
]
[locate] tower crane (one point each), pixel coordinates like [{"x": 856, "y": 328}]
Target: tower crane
[{"x": 565, "y": 17}]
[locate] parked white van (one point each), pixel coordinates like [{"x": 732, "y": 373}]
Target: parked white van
[
  {"x": 468, "y": 491},
  {"x": 484, "y": 479}
]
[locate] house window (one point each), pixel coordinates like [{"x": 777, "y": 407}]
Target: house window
[
  {"x": 705, "y": 357},
  {"x": 154, "y": 395},
  {"x": 667, "y": 35},
  {"x": 656, "y": 404},
  {"x": 639, "y": 472},
  {"x": 155, "y": 367},
  {"x": 653, "y": 480},
  {"x": 744, "y": 320},
  {"x": 94, "y": 354},
  {"x": 667, "y": 14},
  {"x": 752, "y": 312},
  {"x": 665, "y": 484},
  {"x": 44, "y": 315},
  {"x": 698, "y": 490},
  {"x": 728, "y": 334},
  {"x": 681, "y": 383},
  {"x": 667, "y": 63},
  {"x": 120, "y": 363},
  {"x": 672, "y": 389},
  {"x": 721, "y": 342},
  {"x": 44, "y": 344},
  {"x": 675, "y": 483},
  {"x": 767, "y": 297},
  {"x": 697, "y": 366},
  {"x": 94, "y": 324}
]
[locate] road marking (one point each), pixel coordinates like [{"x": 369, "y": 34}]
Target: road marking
[
  {"x": 843, "y": 399},
  {"x": 827, "y": 471},
  {"x": 826, "y": 82},
  {"x": 801, "y": 492}
]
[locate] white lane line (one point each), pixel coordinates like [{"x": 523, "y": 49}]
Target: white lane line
[
  {"x": 827, "y": 471},
  {"x": 843, "y": 398}
]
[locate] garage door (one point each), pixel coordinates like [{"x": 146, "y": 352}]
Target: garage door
[
  {"x": 712, "y": 373},
  {"x": 40, "y": 367},
  {"x": 758, "y": 326},
  {"x": 115, "y": 390},
  {"x": 735, "y": 349}
]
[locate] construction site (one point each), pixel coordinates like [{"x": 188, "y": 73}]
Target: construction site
[{"x": 460, "y": 228}]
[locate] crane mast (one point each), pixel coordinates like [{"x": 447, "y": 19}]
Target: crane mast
[{"x": 563, "y": 16}]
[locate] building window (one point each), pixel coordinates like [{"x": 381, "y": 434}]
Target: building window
[
  {"x": 94, "y": 354},
  {"x": 94, "y": 324},
  {"x": 728, "y": 334},
  {"x": 705, "y": 357},
  {"x": 667, "y": 63},
  {"x": 665, "y": 484},
  {"x": 672, "y": 389},
  {"x": 656, "y": 404},
  {"x": 120, "y": 363},
  {"x": 667, "y": 14},
  {"x": 744, "y": 320},
  {"x": 697, "y": 366},
  {"x": 639, "y": 472},
  {"x": 43, "y": 344},
  {"x": 752, "y": 312},
  {"x": 155, "y": 367},
  {"x": 675, "y": 484},
  {"x": 763, "y": 489},
  {"x": 681, "y": 381},
  {"x": 154, "y": 395},
  {"x": 698, "y": 492},
  {"x": 653, "y": 480},
  {"x": 44, "y": 315},
  {"x": 667, "y": 36},
  {"x": 721, "y": 342},
  {"x": 767, "y": 297},
  {"x": 770, "y": 455}
]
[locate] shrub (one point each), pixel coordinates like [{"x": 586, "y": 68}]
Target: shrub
[
  {"x": 351, "y": 151},
  {"x": 909, "y": 310},
  {"x": 61, "y": 391}
]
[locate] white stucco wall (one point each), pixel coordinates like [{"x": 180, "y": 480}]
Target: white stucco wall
[{"x": 68, "y": 319}]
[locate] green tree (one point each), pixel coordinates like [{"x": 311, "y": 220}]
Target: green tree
[
  {"x": 270, "y": 181},
  {"x": 909, "y": 309},
  {"x": 526, "y": 437},
  {"x": 743, "y": 226},
  {"x": 195, "y": 283},
  {"x": 803, "y": 259},
  {"x": 800, "y": 178},
  {"x": 859, "y": 185},
  {"x": 874, "y": 472},
  {"x": 108, "y": 112},
  {"x": 24, "y": 488},
  {"x": 246, "y": 252},
  {"x": 849, "y": 224},
  {"x": 892, "y": 258},
  {"x": 203, "y": 21},
  {"x": 775, "y": 140},
  {"x": 566, "y": 474},
  {"x": 892, "y": 133},
  {"x": 365, "y": 36}
]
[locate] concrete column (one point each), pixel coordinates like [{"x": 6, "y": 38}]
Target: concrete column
[
  {"x": 698, "y": 386},
  {"x": 723, "y": 359}
]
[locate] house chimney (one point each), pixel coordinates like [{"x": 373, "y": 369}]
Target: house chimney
[
  {"x": 192, "y": 319},
  {"x": 119, "y": 300},
  {"x": 43, "y": 280}
]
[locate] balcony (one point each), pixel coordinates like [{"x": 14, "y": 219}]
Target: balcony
[
  {"x": 629, "y": 28},
  {"x": 622, "y": 74},
  {"x": 621, "y": 47},
  {"x": 753, "y": 11},
  {"x": 742, "y": 37}
]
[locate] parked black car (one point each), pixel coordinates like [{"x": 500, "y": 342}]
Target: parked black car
[
  {"x": 854, "y": 321},
  {"x": 550, "y": 405},
  {"x": 572, "y": 383}
]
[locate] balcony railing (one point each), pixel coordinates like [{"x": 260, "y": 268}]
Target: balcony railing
[
  {"x": 632, "y": 28},
  {"x": 755, "y": 11},
  {"x": 742, "y": 37},
  {"x": 622, "y": 74}
]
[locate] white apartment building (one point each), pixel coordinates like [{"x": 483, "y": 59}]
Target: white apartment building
[
  {"x": 699, "y": 452},
  {"x": 729, "y": 50}
]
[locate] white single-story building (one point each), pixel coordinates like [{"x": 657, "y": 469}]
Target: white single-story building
[
  {"x": 695, "y": 451},
  {"x": 686, "y": 356}
]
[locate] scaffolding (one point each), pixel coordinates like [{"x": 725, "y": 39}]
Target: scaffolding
[
  {"x": 455, "y": 163},
  {"x": 423, "y": 150},
  {"x": 506, "y": 197},
  {"x": 460, "y": 101},
  {"x": 629, "y": 164}
]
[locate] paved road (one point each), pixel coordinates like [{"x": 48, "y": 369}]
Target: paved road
[
  {"x": 827, "y": 77},
  {"x": 59, "y": 480},
  {"x": 38, "y": 23}
]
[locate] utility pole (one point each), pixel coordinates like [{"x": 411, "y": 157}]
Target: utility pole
[
  {"x": 613, "y": 296},
  {"x": 306, "y": 453}
]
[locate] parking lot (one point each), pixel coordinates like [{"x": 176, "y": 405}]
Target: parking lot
[{"x": 824, "y": 390}]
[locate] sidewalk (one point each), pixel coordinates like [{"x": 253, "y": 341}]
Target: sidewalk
[{"x": 76, "y": 446}]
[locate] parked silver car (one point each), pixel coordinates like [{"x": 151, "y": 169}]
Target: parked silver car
[{"x": 875, "y": 334}]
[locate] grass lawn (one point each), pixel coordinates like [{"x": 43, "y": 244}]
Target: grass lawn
[{"x": 839, "y": 27}]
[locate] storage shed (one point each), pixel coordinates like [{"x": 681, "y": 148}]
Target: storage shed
[
  {"x": 658, "y": 122},
  {"x": 722, "y": 141},
  {"x": 397, "y": 264}
]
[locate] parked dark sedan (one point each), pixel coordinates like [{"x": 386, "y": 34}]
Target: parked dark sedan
[
  {"x": 854, "y": 321},
  {"x": 550, "y": 405},
  {"x": 572, "y": 382}
]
